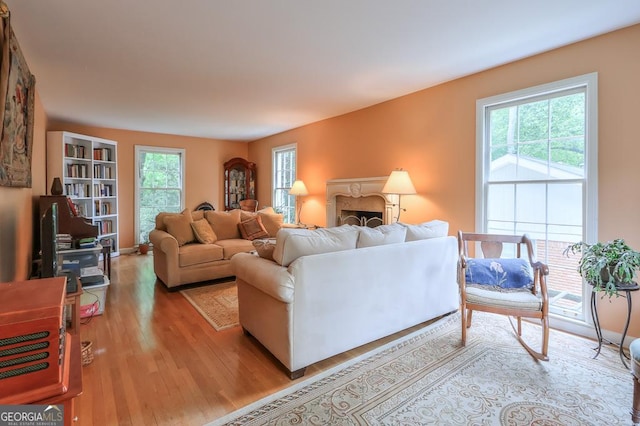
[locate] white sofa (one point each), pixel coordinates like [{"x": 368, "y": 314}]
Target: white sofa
[{"x": 305, "y": 307}]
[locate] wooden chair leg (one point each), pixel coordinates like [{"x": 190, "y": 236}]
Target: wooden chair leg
[
  {"x": 469, "y": 315},
  {"x": 463, "y": 323},
  {"x": 635, "y": 408},
  {"x": 545, "y": 337}
]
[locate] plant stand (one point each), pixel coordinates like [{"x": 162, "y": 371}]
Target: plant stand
[{"x": 596, "y": 322}]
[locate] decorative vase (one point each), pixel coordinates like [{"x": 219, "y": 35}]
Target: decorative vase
[{"x": 56, "y": 186}]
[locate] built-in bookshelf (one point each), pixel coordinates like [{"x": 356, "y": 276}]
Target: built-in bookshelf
[{"x": 88, "y": 169}]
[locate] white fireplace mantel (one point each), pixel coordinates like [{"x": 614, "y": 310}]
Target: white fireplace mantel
[{"x": 357, "y": 188}]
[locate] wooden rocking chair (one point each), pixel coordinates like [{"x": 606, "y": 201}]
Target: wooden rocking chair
[{"x": 516, "y": 298}]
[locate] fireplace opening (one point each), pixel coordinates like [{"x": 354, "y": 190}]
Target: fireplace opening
[
  {"x": 361, "y": 198},
  {"x": 361, "y": 218}
]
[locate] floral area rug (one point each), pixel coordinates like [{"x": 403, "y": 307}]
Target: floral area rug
[
  {"x": 428, "y": 378},
  {"x": 217, "y": 303}
]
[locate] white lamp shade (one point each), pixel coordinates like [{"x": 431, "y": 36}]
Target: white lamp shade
[
  {"x": 298, "y": 188},
  {"x": 399, "y": 182}
]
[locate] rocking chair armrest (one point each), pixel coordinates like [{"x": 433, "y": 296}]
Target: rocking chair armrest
[{"x": 543, "y": 268}]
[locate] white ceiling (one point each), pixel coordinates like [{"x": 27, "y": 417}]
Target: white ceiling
[{"x": 245, "y": 69}]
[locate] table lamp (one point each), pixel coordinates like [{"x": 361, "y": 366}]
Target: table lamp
[
  {"x": 298, "y": 189},
  {"x": 399, "y": 183}
]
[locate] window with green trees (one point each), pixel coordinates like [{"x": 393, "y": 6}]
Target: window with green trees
[
  {"x": 159, "y": 186},
  {"x": 537, "y": 175},
  {"x": 284, "y": 174}
]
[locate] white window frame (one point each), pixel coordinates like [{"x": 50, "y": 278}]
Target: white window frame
[
  {"x": 274, "y": 152},
  {"x": 590, "y": 212},
  {"x": 139, "y": 149}
]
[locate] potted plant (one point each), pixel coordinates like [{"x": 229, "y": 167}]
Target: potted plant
[
  {"x": 143, "y": 247},
  {"x": 607, "y": 266}
]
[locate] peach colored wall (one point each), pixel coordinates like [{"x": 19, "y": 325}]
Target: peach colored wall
[
  {"x": 17, "y": 210},
  {"x": 431, "y": 133},
  {"x": 204, "y": 170}
]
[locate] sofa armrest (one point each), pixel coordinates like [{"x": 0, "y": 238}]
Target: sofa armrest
[
  {"x": 265, "y": 275},
  {"x": 164, "y": 241}
]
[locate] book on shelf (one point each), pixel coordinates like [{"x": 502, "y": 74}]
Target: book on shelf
[
  {"x": 73, "y": 150},
  {"x": 75, "y": 170},
  {"x": 102, "y": 154},
  {"x": 102, "y": 190}
]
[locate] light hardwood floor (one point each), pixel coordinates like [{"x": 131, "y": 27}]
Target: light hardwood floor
[{"x": 158, "y": 362}]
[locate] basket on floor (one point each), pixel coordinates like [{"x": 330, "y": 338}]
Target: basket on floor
[{"x": 87, "y": 353}]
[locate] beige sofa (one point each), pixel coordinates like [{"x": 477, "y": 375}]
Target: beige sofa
[
  {"x": 325, "y": 292},
  {"x": 191, "y": 247}
]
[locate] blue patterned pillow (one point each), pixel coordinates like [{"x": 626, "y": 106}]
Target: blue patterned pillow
[{"x": 503, "y": 273}]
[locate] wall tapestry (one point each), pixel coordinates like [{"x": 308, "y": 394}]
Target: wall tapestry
[{"x": 17, "y": 96}]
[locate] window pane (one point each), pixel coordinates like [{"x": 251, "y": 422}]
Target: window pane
[
  {"x": 533, "y": 121},
  {"x": 565, "y": 201},
  {"x": 502, "y": 202},
  {"x": 531, "y": 202}
]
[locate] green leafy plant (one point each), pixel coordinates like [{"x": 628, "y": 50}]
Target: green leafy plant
[{"x": 607, "y": 266}]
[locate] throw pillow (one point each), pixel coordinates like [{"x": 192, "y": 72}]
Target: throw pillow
[
  {"x": 224, "y": 224},
  {"x": 380, "y": 235},
  {"x": 265, "y": 248},
  {"x": 272, "y": 222},
  {"x": 252, "y": 229},
  {"x": 203, "y": 232},
  {"x": 426, "y": 230},
  {"x": 499, "y": 273},
  {"x": 179, "y": 226}
]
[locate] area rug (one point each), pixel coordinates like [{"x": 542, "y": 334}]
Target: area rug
[
  {"x": 217, "y": 303},
  {"x": 427, "y": 377}
]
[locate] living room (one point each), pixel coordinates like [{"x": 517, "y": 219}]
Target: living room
[{"x": 431, "y": 133}]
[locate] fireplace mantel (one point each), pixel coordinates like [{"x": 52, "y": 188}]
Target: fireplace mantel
[{"x": 357, "y": 188}]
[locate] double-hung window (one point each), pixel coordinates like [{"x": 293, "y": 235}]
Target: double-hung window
[
  {"x": 159, "y": 186},
  {"x": 284, "y": 174},
  {"x": 537, "y": 174}
]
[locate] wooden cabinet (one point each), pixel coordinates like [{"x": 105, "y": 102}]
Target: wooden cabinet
[
  {"x": 239, "y": 182},
  {"x": 88, "y": 168}
]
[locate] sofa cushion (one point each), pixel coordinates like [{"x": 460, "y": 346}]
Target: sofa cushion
[
  {"x": 265, "y": 247},
  {"x": 179, "y": 226},
  {"x": 196, "y": 254},
  {"x": 272, "y": 222},
  {"x": 234, "y": 246},
  {"x": 160, "y": 224},
  {"x": 224, "y": 224},
  {"x": 380, "y": 235},
  {"x": 294, "y": 243},
  {"x": 252, "y": 228},
  {"x": 203, "y": 231},
  {"x": 426, "y": 230}
]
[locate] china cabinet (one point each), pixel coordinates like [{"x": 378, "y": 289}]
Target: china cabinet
[{"x": 239, "y": 182}]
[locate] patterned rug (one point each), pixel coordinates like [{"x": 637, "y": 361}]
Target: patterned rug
[
  {"x": 428, "y": 378},
  {"x": 217, "y": 303}
]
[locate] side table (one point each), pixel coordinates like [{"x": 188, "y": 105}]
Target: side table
[
  {"x": 106, "y": 258},
  {"x": 73, "y": 299},
  {"x": 594, "y": 313}
]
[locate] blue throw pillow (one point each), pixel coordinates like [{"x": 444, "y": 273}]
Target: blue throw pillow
[{"x": 503, "y": 273}]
